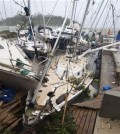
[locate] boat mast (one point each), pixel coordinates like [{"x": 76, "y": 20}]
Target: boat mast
[
  {"x": 29, "y": 7},
  {"x": 51, "y": 56},
  {"x": 29, "y": 17},
  {"x": 82, "y": 25},
  {"x": 113, "y": 20},
  {"x": 73, "y": 7}
]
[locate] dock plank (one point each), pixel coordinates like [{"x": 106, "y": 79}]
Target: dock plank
[
  {"x": 82, "y": 122},
  {"x": 79, "y": 117},
  {"x": 85, "y": 129},
  {"x": 92, "y": 122}
]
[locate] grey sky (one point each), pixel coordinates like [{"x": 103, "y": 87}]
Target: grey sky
[{"x": 12, "y": 9}]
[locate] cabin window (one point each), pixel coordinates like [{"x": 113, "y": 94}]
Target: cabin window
[{"x": 1, "y": 47}]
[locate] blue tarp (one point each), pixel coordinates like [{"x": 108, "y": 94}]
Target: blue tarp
[
  {"x": 7, "y": 95},
  {"x": 118, "y": 37},
  {"x": 105, "y": 88}
]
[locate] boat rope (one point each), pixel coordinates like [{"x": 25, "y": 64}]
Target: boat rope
[
  {"x": 94, "y": 13},
  {"x": 1, "y": 16},
  {"x": 18, "y": 3},
  {"x": 50, "y": 101},
  {"x": 100, "y": 16},
  {"x": 10, "y": 53},
  {"x": 24, "y": 3},
  {"x": 11, "y": 8},
  {"x": 5, "y": 13},
  {"x": 92, "y": 7},
  {"x": 52, "y": 12},
  {"x": 80, "y": 8},
  {"x": 104, "y": 22},
  {"x": 95, "y": 16},
  {"x": 82, "y": 24},
  {"x": 43, "y": 20},
  {"x": 1, "y": 19},
  {"x": 7, "y": 34}
]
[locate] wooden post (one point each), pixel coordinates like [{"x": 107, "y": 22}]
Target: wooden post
[{"x": 65, "y": 107}]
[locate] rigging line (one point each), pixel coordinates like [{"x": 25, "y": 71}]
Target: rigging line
[
  {"x": 81, "y": 7},
  {"x": 93, "y": 14},
  {"x": 18, "y": 3},
  {"x": 11, "y": 8},
  {"x": 24, "y": 3},
  {"x": 91, "y": 7},
  {"x": 43, "y": 19},
  {"x": 106, "y": 18},
  {"x": 73, "y": 8},
  {"x": 10, "y": 54},
  {"x": 5, "y": 13},
  {"x": 101, "y": 15},
  {"x": 52, "y": 12},
  {"x": 1, "y": 16},
  {"x": 96, "y": 16},
  {"x": 83, "y": 21}
]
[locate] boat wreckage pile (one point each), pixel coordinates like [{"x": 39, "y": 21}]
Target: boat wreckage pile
[{"x": 29, "y": 66}]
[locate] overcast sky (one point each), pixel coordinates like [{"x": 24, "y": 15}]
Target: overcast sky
[{"x": 60, "y": 9}]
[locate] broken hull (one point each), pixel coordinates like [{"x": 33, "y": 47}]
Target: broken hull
[{"x": 16, "y": 81}]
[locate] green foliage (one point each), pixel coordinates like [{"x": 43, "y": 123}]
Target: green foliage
[
  {"x": 37, "y": 20},
  {"x": 52, "y": 124},
  {"x": 8, "y": 132},
  {"x": 74, "y": 80},
  {"x": 86, "y": 93}
]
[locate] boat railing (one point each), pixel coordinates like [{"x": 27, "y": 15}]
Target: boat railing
[{"x": 39, "y": 64}]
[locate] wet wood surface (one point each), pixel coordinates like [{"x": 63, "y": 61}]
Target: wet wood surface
[{"x": 84, "y": 119}]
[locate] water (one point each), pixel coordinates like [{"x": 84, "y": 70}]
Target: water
[
  {"x": 11, "y": 28},
  {"x": 14, "y": 28}
]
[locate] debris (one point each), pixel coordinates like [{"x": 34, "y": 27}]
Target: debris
[
  {"x": 93, "y": 104},
  {"x": 10, "y": 113}
]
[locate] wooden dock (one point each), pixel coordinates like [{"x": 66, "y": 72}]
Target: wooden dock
[
  {"x": 84, "y": 119},
  {"x": 107, "y": 76}
]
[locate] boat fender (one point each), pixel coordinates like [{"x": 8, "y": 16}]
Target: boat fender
[{"x": 61, "y": 98}]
